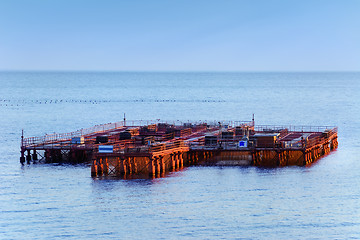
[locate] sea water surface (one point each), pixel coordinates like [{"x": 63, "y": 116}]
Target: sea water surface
[{"x": 60, "y": 201}]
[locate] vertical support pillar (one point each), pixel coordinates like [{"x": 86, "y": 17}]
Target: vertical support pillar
[
  {"x": 100, "y": 166},
  {"x": 28, "y": 157},
  {"x": 256, "y": 158},
  {"x": 46, "y": 155},
  {"x": 177, "y": 162},
  {"x": 134, "y": 165},
  {"x": 173, "y": 164},
  {"x": 94, "y": 170},
  {"x": 34, "y": 155},
  {"x": 336, "y": 143},
  {"x": 123, "y": 167},
  {"x": 191, "y": 157},
  {"x": 162, "y": 164},
  {"x": 308, "y": 157},
  {"x": 327, "y": 148},
  {"x": 73, "y": 156},
  {"x": 118, "y": 167},
  {"x": 151, "y": 167},
  {"x": 279, "y": 159},
  {"x": 181, "y": 160},
  {"x": 106, "y": 166},
  {"x": 22, "y": 157},
  {"x": 129, "y": 165},
  {"x": 157, "y": 165}
]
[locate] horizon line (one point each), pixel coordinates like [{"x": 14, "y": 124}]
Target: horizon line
[{"x": 182, "y": 71}]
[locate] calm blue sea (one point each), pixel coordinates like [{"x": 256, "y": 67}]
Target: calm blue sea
[{"x": 45, "y": 201}]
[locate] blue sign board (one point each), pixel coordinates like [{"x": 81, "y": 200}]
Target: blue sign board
[{"x": 106, "y": 149}]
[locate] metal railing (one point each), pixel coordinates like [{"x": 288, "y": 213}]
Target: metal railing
[
  {"x": 290, "y": 128},
  {"x": 167, "y": 146},
  {"x": 318, "y": 139},
  {"x": 98, "y": 129},
  {"x": 103, "y": 128}
]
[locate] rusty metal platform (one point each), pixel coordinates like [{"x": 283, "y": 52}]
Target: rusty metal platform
[{"x": 160, "y": 146}]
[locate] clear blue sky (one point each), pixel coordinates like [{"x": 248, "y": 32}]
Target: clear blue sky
[{"x": 183, "y": 35}]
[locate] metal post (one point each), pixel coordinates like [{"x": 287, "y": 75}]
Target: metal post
[
  {"x": 22, "y": 137},
  {"x": 22, "y": 157}
]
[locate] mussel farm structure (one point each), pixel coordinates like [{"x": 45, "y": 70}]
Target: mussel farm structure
[{"x": 153, "y": 148}]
